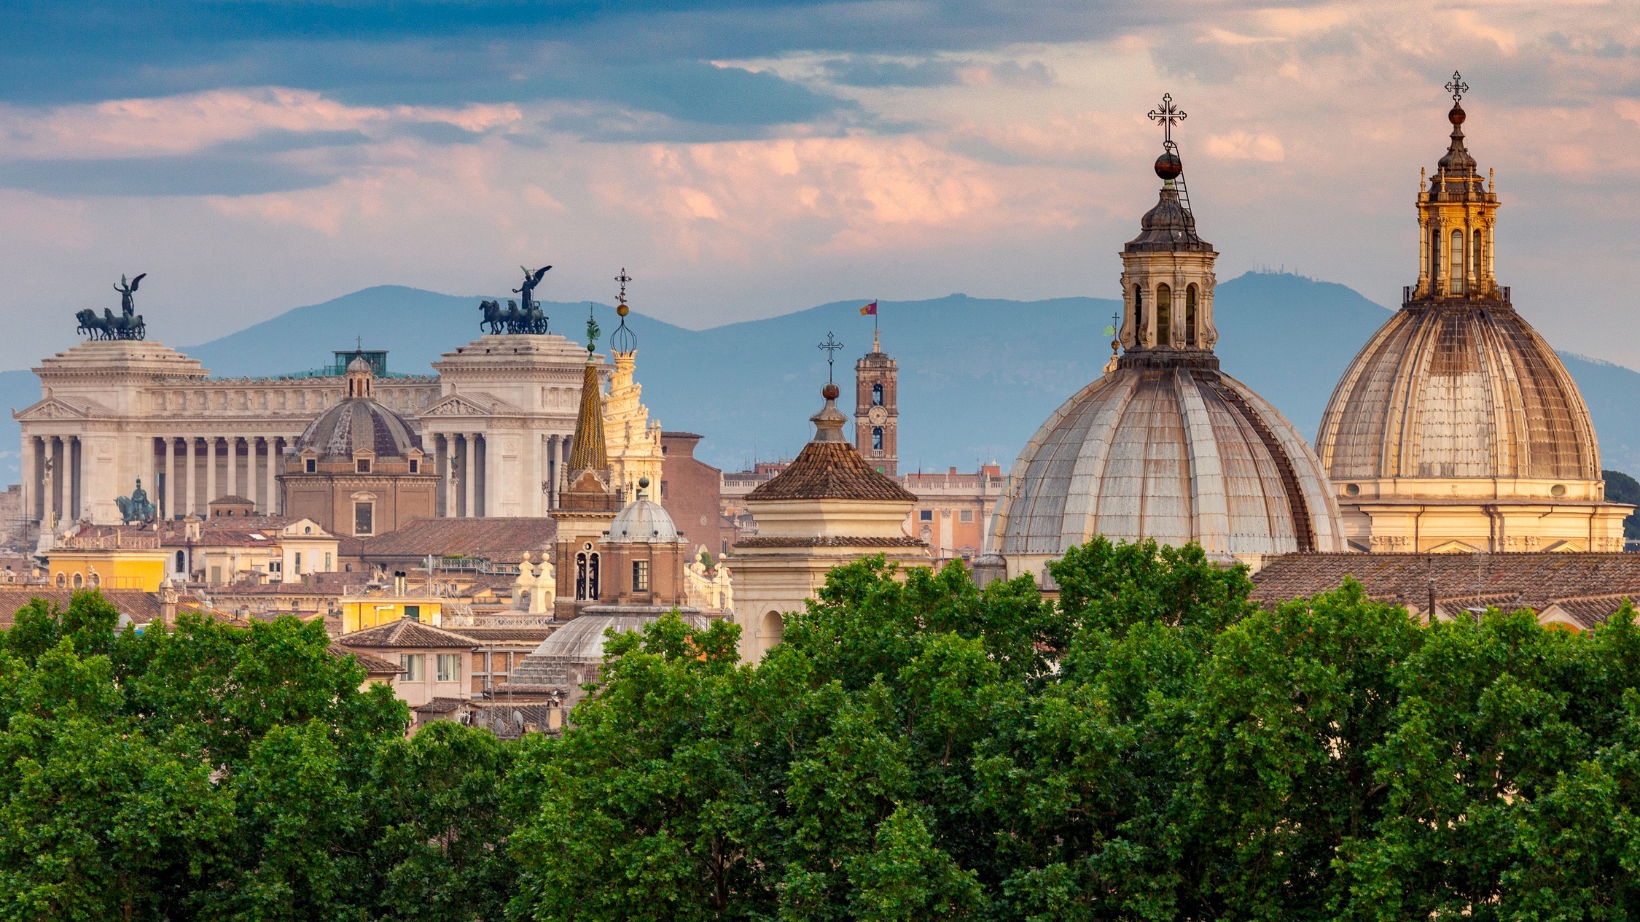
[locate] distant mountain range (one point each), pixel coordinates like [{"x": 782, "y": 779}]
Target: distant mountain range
[{"x": 977, "y": 376}]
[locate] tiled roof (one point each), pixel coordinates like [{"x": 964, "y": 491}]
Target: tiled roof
[
  {"x": 489, "y": 635},
  {"x": 232, "y": 501},
  {"x": 831, "y": 470},
  {"x": 406, "y": 634},
  {"x": 503, "y": 540},
  {"x": 829, "y": 541},
  {"x": 1592, "y": 610},
  {"x": 1533, "y": 581},
  {"x": 373, "y": 665},
  {"x": 440, "y": 706},
  {"x": 142, "y": 607}
]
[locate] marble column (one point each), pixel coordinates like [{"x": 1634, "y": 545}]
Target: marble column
[
  {"x": 76, "y": 497},
  {"x": 58, "y": 475},
  {"x": 233, "y": 465},
  {"x": 188, "y": 479},
  {"x": 31, "y": 490},
  {"x": 210, "y": 473},
  {"x": 445, "y": 446},
  {"x": 272, "y": 507},
  {"x": 469, "y": 473},
  {"x": 170, "y": 477},
  {"x": 493, "y": 488}
]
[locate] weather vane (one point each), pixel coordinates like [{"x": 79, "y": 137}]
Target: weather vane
[
  {"x": 592, "y": 330},
  {"x": 831, "y": 345},
  {"x": 623, "y": 339},
  {"x": 1457, "y": 88},
  {"x": 1167, "y": 114}
]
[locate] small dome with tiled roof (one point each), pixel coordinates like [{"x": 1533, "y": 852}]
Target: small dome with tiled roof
[
  {"x": 830, "y": 468},
  {"x": 643, "y": 521},
  {"x": 358, "y": 421}
]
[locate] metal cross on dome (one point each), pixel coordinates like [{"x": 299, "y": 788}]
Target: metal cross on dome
[
  {"x": 1167, "y": 114},
  {"x": 831, "y": 345},
  {"x": 1456, "y": 87}
]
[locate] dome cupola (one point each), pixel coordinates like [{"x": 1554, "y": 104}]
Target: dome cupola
[
  {"x": 358, "y": 422},
  {"x": 1165, "y": 445},
  {"x": 1458, "y": 402}
]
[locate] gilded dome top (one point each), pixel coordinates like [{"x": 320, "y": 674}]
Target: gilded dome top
[
  {"x": 1177, "y": 454},
  {"x": 1454, "y": 389}
]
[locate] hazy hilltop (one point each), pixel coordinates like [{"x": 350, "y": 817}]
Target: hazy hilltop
[{"x": 977, "y": 376}]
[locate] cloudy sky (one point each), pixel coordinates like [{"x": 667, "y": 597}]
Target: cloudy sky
[{"x": 745, "y": 159}]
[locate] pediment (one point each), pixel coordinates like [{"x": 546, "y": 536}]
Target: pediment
[
  {"x": 471, "y": 405},
  {"x": 456, "y": 405},
  {"x": 1454, "y": 547},
  {"x": 59, "y": 408}
]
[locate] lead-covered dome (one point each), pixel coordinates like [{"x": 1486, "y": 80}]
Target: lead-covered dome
[
  {"x": 1177, "y": 454},
  {"x": 642, "y": 521},
  {"x": 1457, "y": 389},
  {"x": 358, "y": 422}
]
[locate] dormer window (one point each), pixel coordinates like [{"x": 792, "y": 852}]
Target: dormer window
[
  {"x": 311, "y": 466},
  {"x": 361, "y": 465},
  {"x": 415, "y": 466}
]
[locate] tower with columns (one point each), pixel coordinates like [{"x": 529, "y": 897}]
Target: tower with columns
[{"x": 877, "y": 409}]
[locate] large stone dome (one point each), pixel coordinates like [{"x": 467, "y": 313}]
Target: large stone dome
[
  {"x": 1177, "y": 454},
  {"x": 1457, "y": 389},
  {"x": 358, "y": 422}
]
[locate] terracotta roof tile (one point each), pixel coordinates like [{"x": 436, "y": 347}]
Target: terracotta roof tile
[
  {"x": 502, "y": 540},
  {"x": 830, "y": 470},
  {"x": 407, "y": 634},
  {"x": 440, "y": 706},
  {"x": 1523, "y": 580},
  {"x": 490, "y": 635},
  {"x": 141, "y": 607},
  {"x": 373, "y": 665}
]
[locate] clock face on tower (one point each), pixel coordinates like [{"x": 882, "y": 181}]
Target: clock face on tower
[{"x": 877, "y": 415}]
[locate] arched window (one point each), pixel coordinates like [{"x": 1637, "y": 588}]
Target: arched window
[
  {"x": 1455, "y": 275},
  {"x": 1138, "y": 314},
  {"x": 182, "y": 565},
  {"x": 1434, "y": 253},
  {"x": 1164, "y": 315},
  {"x": 1477, "y": 237},
  {"x": 877, "y": 395},
  {"x": 580, "y": 577},
  {"x": 1190, "y": 315},
  {"x": 876, "y": 438},
  {"x": 62, "y": 581},
  {"x": 78, "y": 581},
  {"x": 592, "y": 575},
  {"x": 774, "y": 627}
]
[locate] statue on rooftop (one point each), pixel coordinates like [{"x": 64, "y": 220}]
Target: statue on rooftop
[{"x": 136, "y": 507}]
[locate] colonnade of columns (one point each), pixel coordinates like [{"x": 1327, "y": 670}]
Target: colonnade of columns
[
  {"x": 180, "y": 463},
  {"x": 467, "y": 467},
  {"x": 52, "y": 482}
]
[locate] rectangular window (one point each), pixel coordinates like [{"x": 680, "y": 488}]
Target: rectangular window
[
  {"x": 312, "y": 466},
  {"x": 449, "y": 667},
  {"x": 926, "y": 515},
  {"x": 415, "y": 466},
  {"x": 412, "y": 612},
  {"x": 216, "y": 574},
  {"x": 327, "y": 561},
  {"x": 362, "y": 465},
  {"x": 966, "y": 515},
  {"x": 640, "y": 576},
  {"x": 298, "y": 563},
  {"x": 415, "y": 667},
  {"x": 363, "y": 518}
]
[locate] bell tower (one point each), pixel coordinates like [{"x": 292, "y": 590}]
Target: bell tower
[{"x": 876, "y": 409}]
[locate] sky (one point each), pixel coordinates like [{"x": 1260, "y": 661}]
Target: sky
[{"x": 748, "y": 158}]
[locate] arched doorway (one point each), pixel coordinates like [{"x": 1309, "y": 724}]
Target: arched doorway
[{"x": 773, "y": 628}]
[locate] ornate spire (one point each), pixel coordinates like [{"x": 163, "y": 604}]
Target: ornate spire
[
  {"x": 623, "y": 339},
  {"x": 588, "y": 451},
  {"x": 1457, "y": 160}
]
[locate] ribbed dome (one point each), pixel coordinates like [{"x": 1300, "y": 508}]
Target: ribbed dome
[
  {"x": 1177, "y": 454},
  {"x": 358, "y": 422},
  {"x": 1457, "y": 389},
  {"x": 642, "y": 522}
]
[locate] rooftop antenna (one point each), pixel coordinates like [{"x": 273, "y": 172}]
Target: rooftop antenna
[{"x": 831, "y": 345}]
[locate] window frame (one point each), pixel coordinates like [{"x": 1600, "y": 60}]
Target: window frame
[
  {"x": 447, "y": 667},
  {"x": 640, "y": 576},
  {"x": 414, "y": 666}
]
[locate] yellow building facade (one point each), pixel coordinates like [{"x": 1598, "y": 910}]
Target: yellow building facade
[
  {"x": 116, "y": 561},
  {"x": 367, "y": 611},
  {"x": 1457, "y": 428}
]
